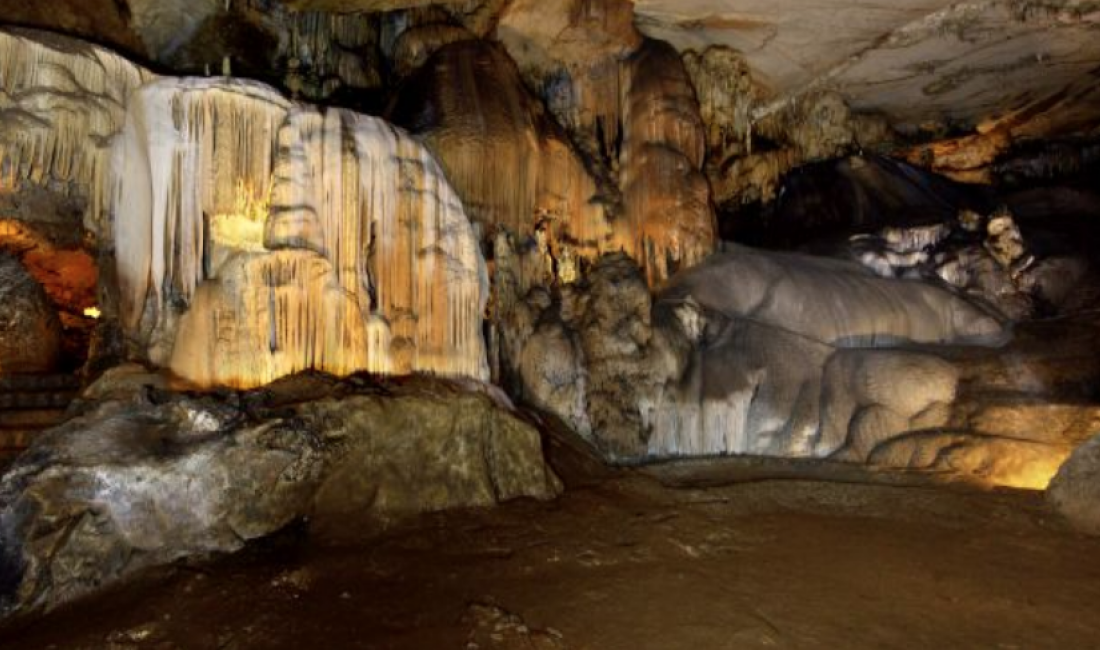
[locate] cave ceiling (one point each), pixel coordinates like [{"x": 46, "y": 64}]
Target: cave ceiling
[
  {"x": 919, "y": 62},
  {"x": 916, "y": 61}
]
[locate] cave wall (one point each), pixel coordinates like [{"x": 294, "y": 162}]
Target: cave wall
[{"x": 243, "y": 235}]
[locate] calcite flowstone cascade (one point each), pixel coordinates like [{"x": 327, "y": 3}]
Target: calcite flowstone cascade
[
  {"x": 249, "y": 237},
  {"x": 257, "y": 238}
]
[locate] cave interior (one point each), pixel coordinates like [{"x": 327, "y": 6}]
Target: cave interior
[{"x": 549, "y": 324}]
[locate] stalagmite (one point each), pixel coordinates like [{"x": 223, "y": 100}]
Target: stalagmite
[{"x": 258, "y": 238}]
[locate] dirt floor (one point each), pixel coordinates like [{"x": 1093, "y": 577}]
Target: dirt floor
[{"x": 636, "y": 561}]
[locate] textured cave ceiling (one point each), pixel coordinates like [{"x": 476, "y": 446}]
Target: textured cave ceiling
[
  {"x": 961, "y": 64},
  {"x": 966, "y": 63},
  {"x": 915, "y": 60}
]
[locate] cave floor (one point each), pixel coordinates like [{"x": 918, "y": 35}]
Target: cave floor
[{"x": 627, "y": 562}]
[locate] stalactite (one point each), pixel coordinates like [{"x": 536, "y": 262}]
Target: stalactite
[
  {"x": 185, "y": 148},
  {"x": 366, "y": 260},
  {"x": 59, "y": 105},
  {"x": 668, "y": 219},
  {"x": 331, "y": 50},
  {"x": 510, "y": 162}
]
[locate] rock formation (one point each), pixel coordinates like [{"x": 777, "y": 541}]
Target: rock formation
[
  {"x": 668, "y": 216},
  {"x": 511, "y": 164},
  {"x": 145, "y": 477},
  {"x": 1075, "y": 490},
  {"x": 30, "y": 332},
  {"x": 571, "y": 52},
  {"x": 745, "y": 353},
  {"x": 322, "y": 240},
  {"x": 301, "y": 238},
  {"x": 62, "y": 100}
]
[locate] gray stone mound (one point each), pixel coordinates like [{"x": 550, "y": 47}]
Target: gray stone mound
[
  {"x": 147, "y": 476},
  {"x": 1075, "y": 490}
]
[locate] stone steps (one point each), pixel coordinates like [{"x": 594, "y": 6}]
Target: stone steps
[{"x": 30, "y": 404}]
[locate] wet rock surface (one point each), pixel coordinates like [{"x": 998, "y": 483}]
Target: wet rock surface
[{"x": 146, "y": 476}]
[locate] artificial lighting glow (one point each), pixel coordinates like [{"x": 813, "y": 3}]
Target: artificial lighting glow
[{"x": 91, "y": 312}]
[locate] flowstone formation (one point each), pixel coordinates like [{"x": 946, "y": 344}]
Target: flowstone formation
[
  {"x": 62, "y": 100},
  {"x": 321, "y": 240},
  {"x": 250, "y": 237},
  {"x": 511, "y": 163},
  {"x": 775, "y": 355}
]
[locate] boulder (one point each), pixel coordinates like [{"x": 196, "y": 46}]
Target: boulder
[
  {"x": 30, "y": 331},
  {"x": 1075, "y": 490},
  {"x": 149, "y": 476}
]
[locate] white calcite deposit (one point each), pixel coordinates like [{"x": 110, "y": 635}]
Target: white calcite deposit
[
  {"x": 257, "y": 238},
  {"x": 252, "y": 237}
]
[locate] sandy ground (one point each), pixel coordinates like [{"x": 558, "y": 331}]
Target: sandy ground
[{"x": 627, "y": 562}]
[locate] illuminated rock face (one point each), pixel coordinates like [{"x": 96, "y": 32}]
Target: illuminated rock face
[{"x": 257, "y": 238}]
